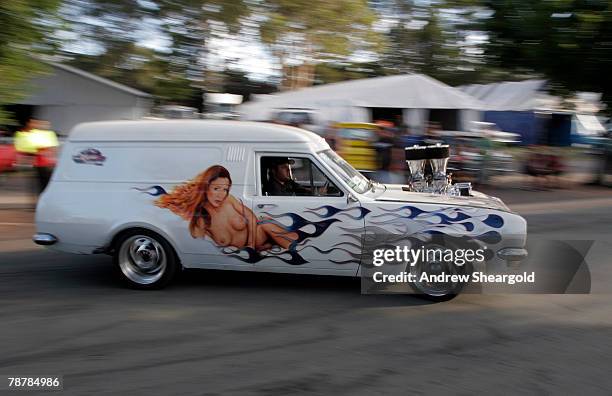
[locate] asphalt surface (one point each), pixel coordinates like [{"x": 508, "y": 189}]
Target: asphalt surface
[{"x": 218, "y": 333}]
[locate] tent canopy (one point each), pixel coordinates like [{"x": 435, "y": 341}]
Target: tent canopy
[
  {"x": 508, "y": 95},
  {"x": 407, "y": 91}
]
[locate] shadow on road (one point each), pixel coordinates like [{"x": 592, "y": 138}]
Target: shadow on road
[{"x": 52, "y": 273}]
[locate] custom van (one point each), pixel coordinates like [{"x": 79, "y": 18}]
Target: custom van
[{"x": 160, "y": 196}]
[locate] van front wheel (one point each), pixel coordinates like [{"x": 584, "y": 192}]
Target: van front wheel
[{"x": 144, "y": 260}]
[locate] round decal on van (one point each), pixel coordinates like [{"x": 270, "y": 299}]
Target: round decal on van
[{"x": 90, "y": 156}]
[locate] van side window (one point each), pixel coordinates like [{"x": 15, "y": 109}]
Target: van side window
[{"x": 295, "y": 176}]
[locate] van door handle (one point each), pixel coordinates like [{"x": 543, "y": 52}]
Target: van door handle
[{"x": 261, "y": 206}]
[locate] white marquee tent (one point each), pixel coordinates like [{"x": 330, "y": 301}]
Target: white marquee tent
[{"x": 353, "y": 101}]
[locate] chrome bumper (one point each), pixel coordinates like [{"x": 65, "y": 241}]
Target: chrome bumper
[{"x": 44, "y": 239}]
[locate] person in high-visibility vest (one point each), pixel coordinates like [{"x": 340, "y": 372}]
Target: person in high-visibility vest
[{"x": 39, "y": 142}]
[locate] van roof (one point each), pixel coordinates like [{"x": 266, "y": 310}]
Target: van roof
[{"x": 190, "y": 130}]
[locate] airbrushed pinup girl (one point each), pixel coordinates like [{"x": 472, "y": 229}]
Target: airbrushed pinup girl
[{"x": 206, "y": 203}]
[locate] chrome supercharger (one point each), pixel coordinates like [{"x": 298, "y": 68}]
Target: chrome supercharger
[{"x": 427, "y": 166}]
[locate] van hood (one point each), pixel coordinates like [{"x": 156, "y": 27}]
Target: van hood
[{"x": 394, "y": 193}]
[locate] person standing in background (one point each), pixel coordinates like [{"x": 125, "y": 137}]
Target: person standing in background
[
  {"x": 39, "y": 143},
  {"x": 388, "y": 170}
]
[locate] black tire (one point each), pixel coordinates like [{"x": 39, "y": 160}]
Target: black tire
[
  {"x": 144, "y": 260},
  {"x": 446, "y": 297}
]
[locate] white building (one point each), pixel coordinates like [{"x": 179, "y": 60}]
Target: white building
[{"x": 68, "y": 96}]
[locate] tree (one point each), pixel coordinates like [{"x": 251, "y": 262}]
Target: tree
[
  {"x": 326, "y": 73},
  {"x": 142, "y": 68},
  {"x": 569, "y": 41},
  {"x": 304, "y": 33},
  {"x": 300, "y": 33},
  {"x": 23, "y": 26},
  {"x": 237, "y": 82},
  {"x": 435, "y": 38},
  {"x": 173, "y": 70},
  {"x": 420, "y": 49}
]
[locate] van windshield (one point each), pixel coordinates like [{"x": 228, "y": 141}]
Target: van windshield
[{"x": 345, "y": 171}]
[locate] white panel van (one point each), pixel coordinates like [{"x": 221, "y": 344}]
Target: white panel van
[{"x": 165, "y": 195}]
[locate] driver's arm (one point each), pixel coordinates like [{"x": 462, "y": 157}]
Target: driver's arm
[{"x": 298, "y": 189}]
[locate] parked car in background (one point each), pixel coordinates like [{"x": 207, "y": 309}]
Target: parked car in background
[
  {"x": 301, "y": 118},
  {"x": 479, "y": 155},
  {"x": 491, "y": 131},
  {"x": 8, "y": 155}
]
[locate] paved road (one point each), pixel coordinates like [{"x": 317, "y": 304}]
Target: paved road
[{"x": 236, "y": 333}]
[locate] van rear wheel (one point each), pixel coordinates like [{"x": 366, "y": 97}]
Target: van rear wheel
[{"x": 144, "y": 260}]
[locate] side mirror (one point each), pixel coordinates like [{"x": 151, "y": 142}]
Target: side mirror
[{"x": 350, "y": 198}]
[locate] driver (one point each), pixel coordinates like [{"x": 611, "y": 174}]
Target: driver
[{"x": 280, "y": 181}]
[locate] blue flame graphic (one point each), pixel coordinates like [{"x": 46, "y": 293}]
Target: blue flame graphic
[
  {"x": 253, "y": 256},
  {"x": 331, "y": 210},
  {"x": 153, "y": 191},
  {"x": 494, "y": 221},
  {"x": 442, "y": 220}
]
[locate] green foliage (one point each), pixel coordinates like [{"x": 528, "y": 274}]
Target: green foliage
[
  {"x": 140, "y": 68},
  {"x": 568, "y": 41},
  {"x": 175, "y": 74},
  {"x": 23, "y": 26},
  {"x": 327, "y": 73},
  {"x": 237, "y": 82},
  {"x": 297, "y": 30},
  {"x": 315, "y": 31},
  {"x": 430, "y": 38}
]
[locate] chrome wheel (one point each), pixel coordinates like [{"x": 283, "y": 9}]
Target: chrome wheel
[
  {"x": 142, "y": 259},
  {"x": 436, "y": 267}
]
